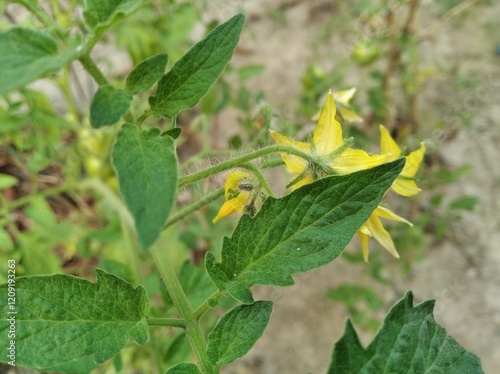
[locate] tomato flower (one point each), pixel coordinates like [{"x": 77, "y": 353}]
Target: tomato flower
[{"x": 242, "y": 192}]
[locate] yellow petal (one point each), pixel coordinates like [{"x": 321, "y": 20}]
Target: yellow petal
[
  {"x": 387, "y": 144},
  {"x": 233, "y": 180},
  {"x": 225, "y": 210},
  {"x": 363, "y": 238},
  {"x": 381, "y": 235},
  {"x": 295, "y": 163},
  {"x": 405, "y": 187},
  {"x": 343, "y": 97},
  {"x": 386, "y": 213},
  {"x": 413, "y": 161},
  {"x": 239, "y": 202},
  {"x": 352, "y": 160},
  {"x": 328, "y": 134},
  {"x": 350, "y": 116},
  {"x": 306, "y": 180}
]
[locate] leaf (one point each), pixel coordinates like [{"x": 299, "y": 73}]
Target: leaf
[
  {"x": 173, "y": 132},
  {"x": 409, "y": 341},
  {"x": 191, "y": 77},
  {"x": 7, "y": 181},
  {"x": 108, "y": 106},
  {"x": 184, "y": 368},
  {"x": 146, "y": 165},
  {"x": 145, "y": 74},
  {"x": 466, "y": 202},
  {"x": 26, "y": 55},
  {"x": 237, "y": 331},
  {"x": 67, "y": 323},
  {"x": 304, "y": 230},
  {"x": 100, "y": 14}
]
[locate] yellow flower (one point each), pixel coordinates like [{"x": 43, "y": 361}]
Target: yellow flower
[
  {"x": 241, "y": 189},
  {"x": 373, "y": 228},
  {"x": 405, "y": 183},
  {"x": 328, "y": 147}
]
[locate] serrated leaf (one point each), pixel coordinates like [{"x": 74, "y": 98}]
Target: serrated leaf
[
  {"x": 146, "y": 166},
  {"x": 191, "y": 77},
  {"x": 26, "y": 55},
  {"x": 237, "y": 331},
  {"x": 100, "y": 14},
  {"x": 184, "y": 368},
  {"x": 108, "y": 106},
  {"x": 63, "y": 321},
  {"x": 147, "y": 73},
  {"x": 304, "y": 230},
  {"x": 409, "y": 341}
]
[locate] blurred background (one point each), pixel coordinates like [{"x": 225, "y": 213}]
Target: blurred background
[{"x": 427, "y": 70}]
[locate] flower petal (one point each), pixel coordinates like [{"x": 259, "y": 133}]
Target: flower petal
[
  {"x": 413, "y": 161},
  {"x": 381, "y": 235},
  {"x": 295, "y": 163},
  {"x": 405, "y": 187},
  {"x": 363, "y": 238},
  {"x": 328, "y": 134},
  {"x": 350, "y": 116},
  {"x": 387, "y": 144},
  {"x": 352, "y": 160},
  {"x": 233, "y": 180},
  {"x": 343, "y": 97},
  {"x": 225, "y": 210},
  {"x": 306, "y": 180},
  {"x": 386, "y": 213}
]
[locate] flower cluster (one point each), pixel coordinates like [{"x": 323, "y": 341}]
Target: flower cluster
[{"x": 334, "y": 156}]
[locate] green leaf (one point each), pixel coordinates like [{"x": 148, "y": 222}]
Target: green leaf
[
  {"x": 147, "y": 73},
  {"x": 146, "y": 165},
  {"x": 108, "y": 106},
  {"x": 26, "y": 55},
  {"x": 191, "y": 77},
  {"x": 466, "y": 202},
  {"x": 304, "y": 230},
  {"x": 237, "y": 331},
  {"x": 7, "y": 181},
  {"x": 100, "y": 14},
  {"x": 409, "y": 341},
  {"x": 173, "y": 132},
  {"x": 184, "y": 368},
  {"x": 68, "y": 323}
]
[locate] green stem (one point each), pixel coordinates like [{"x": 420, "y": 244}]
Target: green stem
[
  {"x": 254, "y": 169},
  {"x": 209, "y": 303},
  {"x": 42, "y": 16},
  {"x": 181, "y": 303},
  {"x": 195, "y": 206},
  {"x": 235, "y": 162},
  {"x": 171, "y": 322},
  {"x": 93, "y": 70}
]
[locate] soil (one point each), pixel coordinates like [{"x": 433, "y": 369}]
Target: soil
[{"x": 460, "y": 272}]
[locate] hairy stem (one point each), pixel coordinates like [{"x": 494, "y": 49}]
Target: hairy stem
[
  {"x": 181, "y": 303},
  {"x": 171, "y": 322}
]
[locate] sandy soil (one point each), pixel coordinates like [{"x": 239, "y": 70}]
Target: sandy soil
[{"x": 461, "y": 272}]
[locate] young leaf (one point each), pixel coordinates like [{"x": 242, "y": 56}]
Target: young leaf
[
  {"x": 409, "y": 341},
  {"x": 191, "y": 77},
  {"x": 184, "y": 368},
  {"x": 146, "y": 165},
  {"x": 26, "y": 55},
  {"x": 237, "y": 331},
  {"x": 301, "y": 231},
  {"x": 108, "y": 106},
  {"x": 145, "y": 74},
  {"x": 66, "y": 323},
  {"x": 7, "y": 181},
  {"x": 100, "y": 14}
]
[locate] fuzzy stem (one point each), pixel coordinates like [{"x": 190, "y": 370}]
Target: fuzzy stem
[
  {"x": 172, "y": 322},
  {"x": 226, "y": 165}
]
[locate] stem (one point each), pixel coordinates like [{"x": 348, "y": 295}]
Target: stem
[
  {"x": 259, "y": 176},
  {"x": 172, "y": 322},
  {"x": 93, "y": 70},
  {"x": 208, "y": 304},
  {"x": 181, "y": 303},
  {"x": 195, "y": 206},
  {"x": 241, "y": 160},
  {"x": 42, "y": 16}
]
